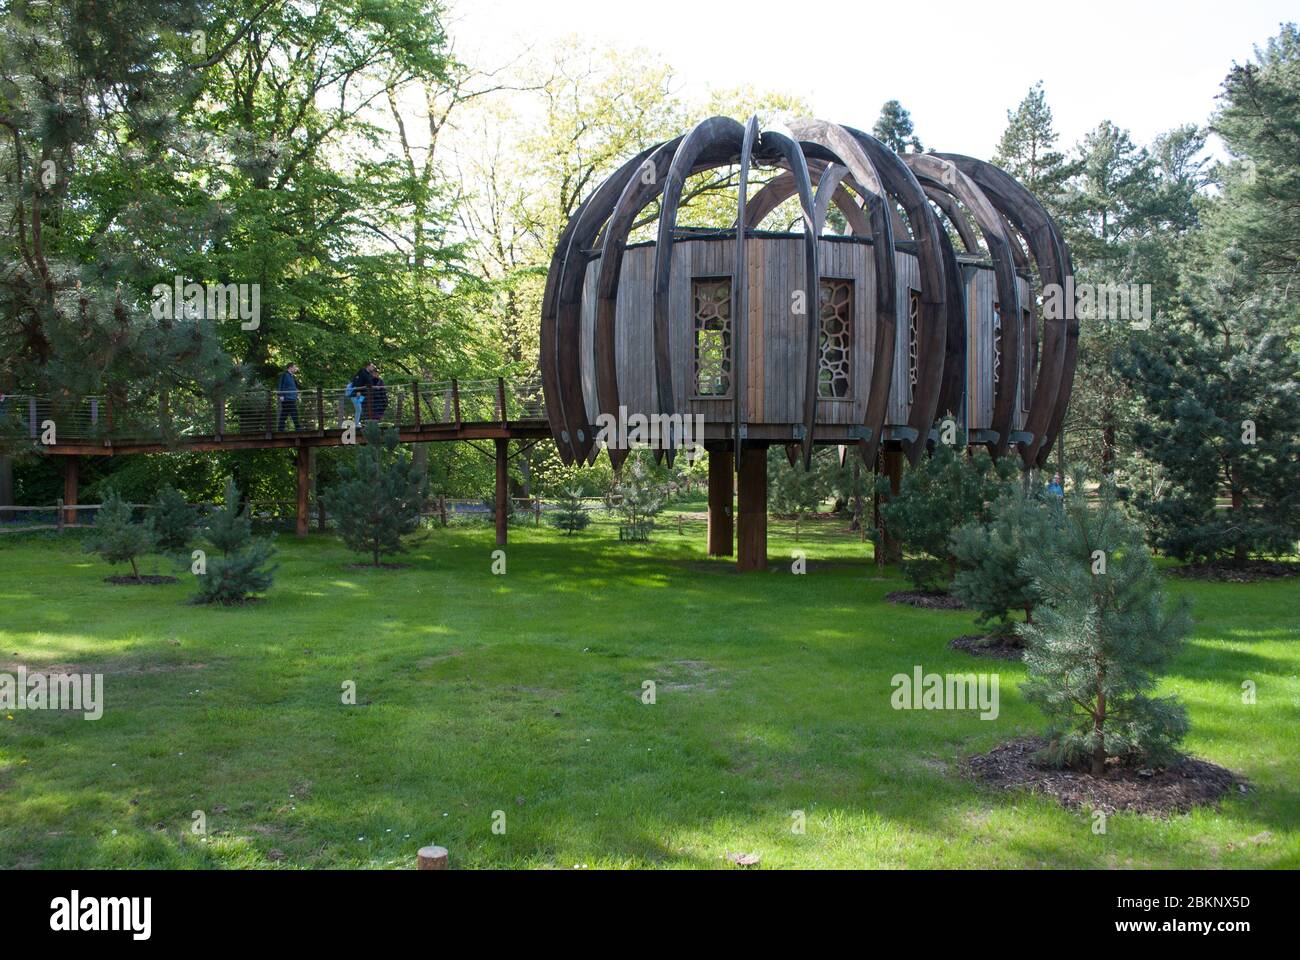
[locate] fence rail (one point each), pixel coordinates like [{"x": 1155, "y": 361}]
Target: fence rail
[{"x": 263, "y": 411}]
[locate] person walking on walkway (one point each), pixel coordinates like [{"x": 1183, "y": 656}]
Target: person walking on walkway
[
  {"x": 360, "y": 387},
  {"x": 288, "y": 391}
]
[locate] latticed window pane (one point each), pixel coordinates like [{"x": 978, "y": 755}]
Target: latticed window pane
[
  {"x": 711, "y": 297},
  {"x": 997, "y": 344},
  {"x": 913, "y": 335},
  {"x": 834, "y": 355}
]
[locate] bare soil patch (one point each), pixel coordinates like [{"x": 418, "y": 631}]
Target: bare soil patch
[
  {"x": 1161, "y": 792},
  {"x": 986, "y": 645},
  {"x": 926, "y": 599},
  {"x": 1249, "y": 572},
  {"x": 145, "y": 580}
]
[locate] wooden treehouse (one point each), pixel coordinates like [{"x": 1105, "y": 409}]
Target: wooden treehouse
[{"x": 917, "y": 299}]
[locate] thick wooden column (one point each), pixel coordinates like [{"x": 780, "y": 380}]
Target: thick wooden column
[
  {"x": 70, "y": 465},
  {"x": 503, "y": 491},
  {"x": 304, "y": 488},
  {"x": 751, "y": 515},
  {"x": 721, "y": 489}
]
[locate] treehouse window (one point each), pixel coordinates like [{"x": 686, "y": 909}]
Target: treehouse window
[
  {"x": 913, "y": 336},
  {"x": 997, "y": 344},
  {"x": 711, "y": 299},
  {"x": 835, "y": 338},
  {"x": 1029, "y": 351}
]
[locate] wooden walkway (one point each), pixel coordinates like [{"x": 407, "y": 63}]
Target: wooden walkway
[{"x": 260, "y": 419}]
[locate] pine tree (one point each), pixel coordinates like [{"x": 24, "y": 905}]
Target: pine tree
[
  {"x": 1028, "y": 152},
  {"x": 943, "y": 491},
  {"x": 1101, "y": 637},
  {"x": 894, "y": 128},
  {"x": 571, "y": 514},
  {"x": 239, "y": 569},
  {"x": 174, "y": 520},
  {"x": 1258, "y": 124},
  {"x": 117, "y": 536},
  {"x": 378, "y": 498},
  {"x": 640, "y": 499},
  {"x": 1220, "y": 388},
  {"x": 989, "y": 579}
]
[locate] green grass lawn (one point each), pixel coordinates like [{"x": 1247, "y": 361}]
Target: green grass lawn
[{"x": 522, "y": 693}]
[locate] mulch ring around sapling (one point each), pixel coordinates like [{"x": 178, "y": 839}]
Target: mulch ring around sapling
[
  {"x": 1162, "y": 792},
  {"x": 381, "y": 566},
  {"x": 126, "y": 580},
  {"x": 989, "y": 645},
  {"x": 1227, "y": 572},
  {"x": 926, "y": 599}
]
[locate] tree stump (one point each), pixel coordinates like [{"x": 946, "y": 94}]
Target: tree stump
[{"x": 432, "y": 858}]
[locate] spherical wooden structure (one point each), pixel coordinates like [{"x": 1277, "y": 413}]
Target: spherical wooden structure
[{"x": 864, "y": 338}]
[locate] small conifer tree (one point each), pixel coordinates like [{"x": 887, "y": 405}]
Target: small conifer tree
[
  {"x": 117, "y": 536},
  {"x": 943, "y": 491},
  {"x": 571, "y": 515},
  {"x": 640, "y": 500},
  {"x": 989, "y": 578},
  {"x": 238, "y": 570},
  {"x": 174, "y": 520},
  {"x": 1101, "y": 637},
  {"x": 379, "y": 496}
]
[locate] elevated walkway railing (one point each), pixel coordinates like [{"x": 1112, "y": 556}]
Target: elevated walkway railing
[{"x": 260, "y": 411}]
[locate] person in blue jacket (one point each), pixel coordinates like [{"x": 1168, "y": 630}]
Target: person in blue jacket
[
  {"x": 1054, "y": 488},
  {"x": 288, "y": 391}
]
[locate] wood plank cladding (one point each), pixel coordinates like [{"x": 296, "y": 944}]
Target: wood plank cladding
[{"x": 773, "y": 381}]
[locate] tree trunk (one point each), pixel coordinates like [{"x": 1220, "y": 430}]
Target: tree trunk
[{"x": 1098, "y": 721}]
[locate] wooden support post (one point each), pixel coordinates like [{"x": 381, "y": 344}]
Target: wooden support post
[
  {"x": 315, "y": 486},
  {"x": 503, "y": 491},
  {"x": 455, "y": 400},
  {"x": 442, "y": 508},
  {"x": 304, "y": 486},
  {"x": 219, "y": 401},
  {"x": 70, "y": 465},
  {"x": 721, "y": 490},
  {"x": 415, "y": 394},
  {"x": 751, "y": 519},
  {"x": 501, "y": 401},
  {"x": 270, "y": 395},
  {"x": 320, "y": 410}
]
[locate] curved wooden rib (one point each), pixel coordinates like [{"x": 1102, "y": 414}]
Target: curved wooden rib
[
  {"x": 827, "y": 186},
  {"x": 740, "y": 299},
  {"x": 1060, "y": 337},
  {"x": 779, "y": 188},
  {"x": 560, "y": 348},
  {"x": 871, "y": 188},
  {"x": 778, "y": 143},
  {"x": 716, "y": 134},
  {"x": 900, "y": 183},
  {"x": 954, "y": 214},
  {"x": 639, "y": 191},
  {"x": 944, "y": 175}
]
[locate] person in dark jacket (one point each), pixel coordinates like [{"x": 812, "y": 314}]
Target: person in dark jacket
[
  {"x": 361, "y": 387},
  {"x": 378, "y": 399},
  {"x": 288, "y": 391}
]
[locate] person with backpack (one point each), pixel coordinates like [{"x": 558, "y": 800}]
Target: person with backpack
[{"x": 360, "y": 387}]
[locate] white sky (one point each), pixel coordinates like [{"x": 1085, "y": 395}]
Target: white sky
[{"x": 957, "y": 67}]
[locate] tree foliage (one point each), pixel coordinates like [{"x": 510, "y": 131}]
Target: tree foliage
[
  {"x": 570, "y": 515},
  {"x": 174, "y": 520},
  {"x": 945, "y": 490}
]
